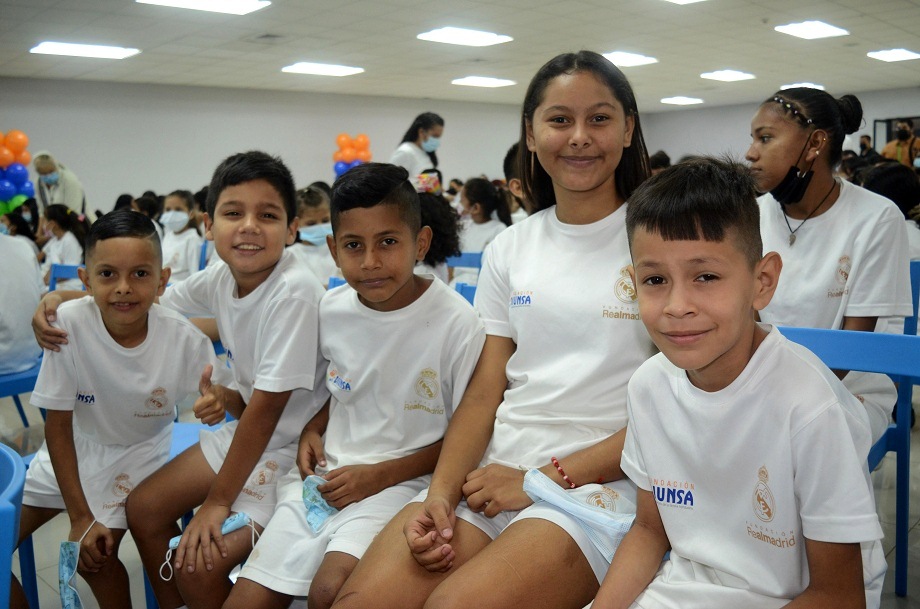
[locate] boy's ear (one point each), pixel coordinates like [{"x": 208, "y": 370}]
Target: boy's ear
[
  {"x": 164, "y": 279},
  {"x": 83, "y": 274},
  {"x": 423, "y": 242},
  {"x": 514, "y": 185},
  {"x": 766, "y": 273},
  {"x": 292, "y": 232},
  {"x": 208, "y": 223},
  {"x": 330, "y": 243}
]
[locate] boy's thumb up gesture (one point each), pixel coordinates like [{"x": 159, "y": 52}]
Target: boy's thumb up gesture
[{"x": 209, "y": 408}]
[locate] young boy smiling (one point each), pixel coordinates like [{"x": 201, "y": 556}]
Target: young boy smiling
[
  {"x": 749, "y": 454},
  {"x": 401, "y": 348}
]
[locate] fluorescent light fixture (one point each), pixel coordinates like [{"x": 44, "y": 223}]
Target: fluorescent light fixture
[
  {"x": 811, "y": 30},
  {"x": 321, "y": 69},
  {"x": 482, "y": 81},
  {"x": 680, "y": 100},
  {"x": 684, "y": 1},
  {"x": 727, "y": 75},
  {"x": 469, "y": 38},
  {"x": 893, "y": 55},
  {"x": 96, "y": 51},
  {"x": 628, "y": 60},
  {"x": 808, "y": 85},
  {"x": 230, "y": 7}
]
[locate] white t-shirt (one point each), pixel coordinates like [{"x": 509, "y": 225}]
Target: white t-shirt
[
  {"x": 440, "y": 271},
  {"x": 562, "y": 293},
  {"x": 474, "y": 238},
  {"x": 119, "y": 395},
  {"x": 181, "y": 253},
  {"x": 743, "y": 475},
  {"x": 32, "y": 245},
  {"x": 913, "y": 239},
  {"x": 20, "y": 291},
  {"x": 850, "y": 261},
  {"x": 517, "y": 216},
  {"x": 271, "y": 335},
  {"x": 318, "y": 259},
  {"x": 66, "y": 250},
  {"x": 412, "y": 158},
  {"x": 395, "y": 377}
]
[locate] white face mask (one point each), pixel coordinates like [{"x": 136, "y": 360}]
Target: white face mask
[{"x": 174, "y": 220}]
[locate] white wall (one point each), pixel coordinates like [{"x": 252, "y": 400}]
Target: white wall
[
  {"x": 727, "y": 129},
  {"x": 129, "y": 138}
]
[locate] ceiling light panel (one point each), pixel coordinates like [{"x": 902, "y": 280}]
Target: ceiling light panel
[
  {"x": 807, "y": 85},
  {"x": 811, "y": 30},
  {"x": 628, "y": 60},
  {"x": 229, "y": 7},
  {"x": 727, "y": 75},
  {"x": 482, "y": 81},
  {"x": 321, "y": 69},
  {"x": 680, "y": 100},
  {"x": 893, "y": 55},
  {"x": 464, "y": 37},
  {"x": 95, "y": 51}
]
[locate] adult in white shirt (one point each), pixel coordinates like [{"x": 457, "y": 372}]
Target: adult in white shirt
[
  {"x": 57, "y": 184},
  {"x": 844, "y": 249},
  {"x": 417, "y": 151},
  {"x": 21, "y": 292}
]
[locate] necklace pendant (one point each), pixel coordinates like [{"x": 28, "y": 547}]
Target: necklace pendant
[{"x": 791, "y": 239}]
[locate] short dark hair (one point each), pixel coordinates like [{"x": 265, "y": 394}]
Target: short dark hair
[
  {"x": 907, "y": 121},
  {"x": 512, "y": 163},
  {"x": 633, "y": 167},
  {"x": 441, "y": 217},
  {"x": 149, "y": 206},
  {"x": 372, "y": 184},
  {"x": 700, "y": 199},
  {"x": 186, "y": 196},
  {"x": 659, "y": 160},
  {"x": 123, "y": 223},
  {"x": 489, "y": 197},
  {"x": 896, "y": 182},
  {"x": 254, "y": 165}
]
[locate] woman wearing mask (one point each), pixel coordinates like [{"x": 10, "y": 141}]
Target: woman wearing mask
[{"x": 417, "y": 152}]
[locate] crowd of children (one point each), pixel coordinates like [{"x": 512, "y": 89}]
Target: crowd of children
[{"x": 594, "y": 429}]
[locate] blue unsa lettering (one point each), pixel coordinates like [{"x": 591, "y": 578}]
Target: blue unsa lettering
[
  {"x": 341, "y": 383},
  {"x": 520, "y": 300},
  {"x": 86, "y": 398},
  {"x": 673, "y": 496}
]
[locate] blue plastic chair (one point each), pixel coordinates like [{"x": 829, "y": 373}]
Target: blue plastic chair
[
  {"x": 899, "y": 357},
  {"x": 12, "y": 479},
  {"x": 203, "y": 256},
  {"x": 62, "y": 271},
  {"x": 467, "y": 291},
  {"x": 16, "y": 383},
  {"x": 335, "y": 282},
  {"x": 466, "y": 259}
]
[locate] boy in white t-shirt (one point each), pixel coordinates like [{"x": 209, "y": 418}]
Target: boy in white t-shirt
[
  {"x": 111, "y": 397},
  {"x": 401, "y": 348},
  {"x": 749, "y": 454}
]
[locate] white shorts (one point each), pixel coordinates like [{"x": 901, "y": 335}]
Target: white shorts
[
  {"x": 289, "y": 553},
  {"x": 259, "y": 494},
  {"x": 108, "y": 472},
  {"x": 543, "y": 511}
]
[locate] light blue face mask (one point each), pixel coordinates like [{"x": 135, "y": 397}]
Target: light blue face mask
[
  {"x": 318, "y": 511},
  {"x": 316, "y": 234},
  {"x": 431, "y": 144},
  {"x": 4, "y": 229},
  {"x": 50, "y": 178},
  {"x": 917, "y": 162},
  {"x": 67, "y": 571},
  {"x": 27, "y": 218}
]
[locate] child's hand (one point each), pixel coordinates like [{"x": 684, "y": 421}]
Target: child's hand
[
  {"x": 428, "y": 534},
  {"x": 209, "y": 408},
  {"x": 310, "y": 452},
  {"x": 495, "y": 488},
  {"x": 98, "y": 544},
  {"x": 48, "y": 336},
  {"x": 201, "y": 531},
  {"x": 350, "y": 484}
]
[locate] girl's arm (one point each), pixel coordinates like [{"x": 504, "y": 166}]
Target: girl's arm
[
  {"x": 637, "y": 559},
  {"x": 48, "y": 336},
  {"x": 255, "y": 428},
  {"x": 835, "y": 577}
]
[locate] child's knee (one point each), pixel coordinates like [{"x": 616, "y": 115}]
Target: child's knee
[
  {"x": 323, "y": 592},
  {"x": 441, "y": 598}
]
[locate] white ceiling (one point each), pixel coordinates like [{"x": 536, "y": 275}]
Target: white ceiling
[{"x": 184, "y": 47}]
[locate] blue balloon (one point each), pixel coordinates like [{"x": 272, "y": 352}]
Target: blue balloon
[
  {"x": 2, "y": 173},
  {"x": 17, "y": 174},
  {"x": 7, "y": 190},
  {"x": 355, "y": 163},
  {"x": 27, "y": 189},
  {"x": 340, "y": 168}
]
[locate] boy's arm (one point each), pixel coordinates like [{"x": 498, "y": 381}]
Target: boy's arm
[
  {"x": 208, "y": 326},
  {"x": 353, "y": 483},
  {"x": 310, "y": 452},
  {"x": 637, "y": 559},
  {"x": 63, "y": 453},
  {"x": 48, "y": 336},
  {"x": 255, "y": 428},
  {"x": 835, "y": 577}
]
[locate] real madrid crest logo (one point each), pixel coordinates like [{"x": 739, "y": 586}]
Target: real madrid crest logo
[
  {"x": 605, "y": 498},
  {"x": 122, "y": 485},
  {"x": 843, "y": 269},
  {"x": 157, "y": 400},
  {"x": 764, "y": 505},
  {"x": 624, "y": 289},
  {"x": 426, "y": 386},
  {"x": 265, "y": 476}
]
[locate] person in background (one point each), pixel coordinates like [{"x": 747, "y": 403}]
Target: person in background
[
  {"x": 150, "y": 207},
  {"x": 866, "y": 151},
  {"x": 441, "y": 217},
  {"x": 659, "y": 161},
  {"x": 181, "y": 241},
  {"x": 22, "y": 289},
  {"x": 57, "y": 184},
  {"x": 901, "y": 185},
  {"x": 417, "y": 151},
  {"x": 314, "y": 225},
  {"x": 906, "y": 146},
  {"x": 324, "y": 186},
  {"x": 66, "y": 233},
  {"x": 485, "y": 214},
  {"x": 124, "y": 200},
  {"x": 12, "y": 224},
  {"x": 518, "y": 204}
]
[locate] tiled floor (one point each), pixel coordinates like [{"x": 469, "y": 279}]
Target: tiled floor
[{"x": 48, "y": 539}]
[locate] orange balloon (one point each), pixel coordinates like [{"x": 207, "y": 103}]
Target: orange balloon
[
  {"x": 349, "y": 154},
  {"x": 1, "y": 138},
  {"x": 361, "y": 142},
  {"x": 24, "y": 157},
  {"x": 343, "y": 140},
  {"x": 16, "y": 141},
  {"x": 364, "y": 156},
  {"x": 6, "y": 157},
  {"x": 337, "y": 156}
]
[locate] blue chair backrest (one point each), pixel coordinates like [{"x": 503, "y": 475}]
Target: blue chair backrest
[
  {"x": 466, "y": 259},
  {"x": 910, "y": 324},
  {"x": 12, "y": 478},
  {"x": 467, "y": 291},
  {"x": 61, "y": 271},
  {"x": 335, "y": 282},
  {"x": 203, "y": 256}
]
